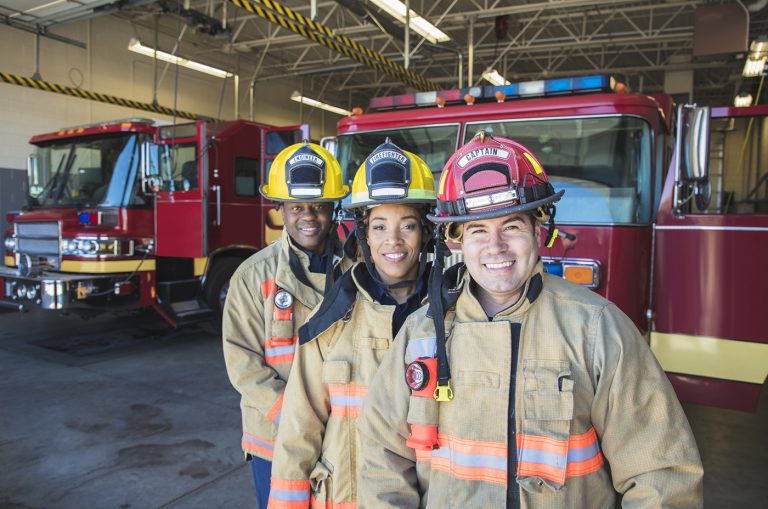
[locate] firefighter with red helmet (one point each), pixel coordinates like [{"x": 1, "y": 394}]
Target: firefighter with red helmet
[
  {"x": 514, "y": 388},
  {"x": 341, "y": 346},
  {"x": 273, "y": 292}
]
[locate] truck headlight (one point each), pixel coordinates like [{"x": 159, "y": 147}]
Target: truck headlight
[
  {"x": 10, "y": 243},
  {"x": 87, "y": 246},
  {"x": 98, "y": 247}
]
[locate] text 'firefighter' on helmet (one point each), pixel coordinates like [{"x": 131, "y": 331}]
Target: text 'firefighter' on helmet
[
  {"x": 392, "y": 175},
  {"x": 491, "y": 177},
  {"x": 305, "y": 172}
]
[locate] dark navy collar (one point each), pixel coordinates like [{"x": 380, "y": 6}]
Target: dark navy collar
[
  {"x": 316, "y": 261},
  {"x": 380, "y": 294}
]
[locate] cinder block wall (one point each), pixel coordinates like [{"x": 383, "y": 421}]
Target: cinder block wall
[{"x": 106, "y": 66}]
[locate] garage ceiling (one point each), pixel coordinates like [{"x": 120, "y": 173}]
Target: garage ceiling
[{"x": 533, "y": 39}]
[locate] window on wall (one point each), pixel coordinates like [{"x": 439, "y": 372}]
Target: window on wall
[{"x": 247, "y": 176}]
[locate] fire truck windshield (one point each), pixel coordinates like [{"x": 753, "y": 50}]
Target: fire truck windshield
[
  {"x": 603, "y": 163},
  {"x": 434, "y": 144},
  {"x": 86, "y": 172}
]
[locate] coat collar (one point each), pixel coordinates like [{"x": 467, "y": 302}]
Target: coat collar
[
  {"x": 285, "y": 278},
  {"x": 468, "y": 308}
]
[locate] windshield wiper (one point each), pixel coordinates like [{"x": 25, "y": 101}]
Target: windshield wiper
[{"x": 67, "y": 168}]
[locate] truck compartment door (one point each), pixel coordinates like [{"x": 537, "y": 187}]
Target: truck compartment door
[{"x": 180, "y": 212}]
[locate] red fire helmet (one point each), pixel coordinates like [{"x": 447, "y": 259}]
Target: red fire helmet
[{"x": 491, "y": 177}]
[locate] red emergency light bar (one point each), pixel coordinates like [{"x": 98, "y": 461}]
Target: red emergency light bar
[{"x": 526, "y": 89}]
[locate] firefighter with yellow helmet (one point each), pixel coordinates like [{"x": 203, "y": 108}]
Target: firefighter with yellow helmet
[
  {"x": 341, "y": 346},
  {"x": 273, "y": 292},
  {"x": 515, "y": 388}
]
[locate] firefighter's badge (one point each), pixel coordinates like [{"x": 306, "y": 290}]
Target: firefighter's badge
[{"x": 283, "y": 299}]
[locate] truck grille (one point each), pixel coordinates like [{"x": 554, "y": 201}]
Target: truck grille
[{"x": 38, "y": 239}]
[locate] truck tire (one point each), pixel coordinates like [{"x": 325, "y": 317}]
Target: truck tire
[{"x": 217, "y": 282}]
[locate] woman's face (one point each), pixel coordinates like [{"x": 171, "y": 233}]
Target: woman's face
[{"x": 394, "y": 236}]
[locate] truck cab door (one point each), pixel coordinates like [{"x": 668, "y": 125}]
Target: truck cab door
[
  {"x": 275, "y": 139},
  {"x": 181, "y": 191},
  {"x": 708, "y": 286}
]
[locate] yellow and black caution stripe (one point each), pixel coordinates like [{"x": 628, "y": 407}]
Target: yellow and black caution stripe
[
  {"x": 321, "y": 34},
  {"x": 46, "y": 86}
]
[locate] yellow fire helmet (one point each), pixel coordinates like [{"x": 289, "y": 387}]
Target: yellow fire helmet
[
  {"x": 305, "y": 172},
  {"x": 392, "y": 175}
]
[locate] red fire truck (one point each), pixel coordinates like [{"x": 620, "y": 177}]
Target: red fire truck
[
  {"x": 676, "y": 246},
  {"x": 132, "y": 213}
]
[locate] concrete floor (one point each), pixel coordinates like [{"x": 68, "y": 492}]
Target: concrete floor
[{"x": 121, "y": 412}]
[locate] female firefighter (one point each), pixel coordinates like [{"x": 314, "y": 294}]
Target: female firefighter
[{"x": 342, "y": 344}]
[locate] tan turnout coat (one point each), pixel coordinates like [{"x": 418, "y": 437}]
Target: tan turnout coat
[
  {"x": 588, "y": 395},
  {"x": 260, "y": 337},
  {"x": 316, "y": 454}
]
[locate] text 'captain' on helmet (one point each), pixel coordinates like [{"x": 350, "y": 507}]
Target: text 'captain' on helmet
[{"x": 489, "y": 177}]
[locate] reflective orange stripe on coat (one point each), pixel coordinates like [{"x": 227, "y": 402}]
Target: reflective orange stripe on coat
[
  {"x": 347, "y": 400},
  {"x": 543, "y": 457},
  {"x": 257, "y": 445},
  {"x": 286, "y": 494},
  {"x": 274, "y": 412},
  {"x": 471, "y": 460},
  {"x": 278, "y": 350},
  {"x": 556, "y": 460}
]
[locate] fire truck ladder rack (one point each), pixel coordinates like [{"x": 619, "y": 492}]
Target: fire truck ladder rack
[{"x": 47, "y": 86}]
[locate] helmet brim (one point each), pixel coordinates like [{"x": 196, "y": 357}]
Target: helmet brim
[
  {"x": 265, "y": 194},
  {"x": 396, "y": 201},
  {"x": 494, "y": 213}
]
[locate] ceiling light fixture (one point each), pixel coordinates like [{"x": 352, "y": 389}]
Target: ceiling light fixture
[
  {"x": 753, "y": 66},
  {"x": 296, "y": 96},
  {"x": 136, "y": 46},
  {"x": 742, "y": 100},
  {"x": 421, "y": 26},
  {"x": 493, "y": 76}
]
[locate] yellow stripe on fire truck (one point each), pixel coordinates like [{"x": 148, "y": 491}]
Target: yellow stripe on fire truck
[{"x": 727, "y": 359}]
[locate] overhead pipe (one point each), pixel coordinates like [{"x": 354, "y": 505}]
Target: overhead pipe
[
  {"x": 407, "y": 50},
  {"x": 471, "y": 47}
]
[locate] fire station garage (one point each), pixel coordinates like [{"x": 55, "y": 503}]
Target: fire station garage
[{"x": 136, "y": 137}]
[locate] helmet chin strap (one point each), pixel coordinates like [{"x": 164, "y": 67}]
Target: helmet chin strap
[
  {"x": 552, "y": 229},
  {"x": 443, "y": 391}
]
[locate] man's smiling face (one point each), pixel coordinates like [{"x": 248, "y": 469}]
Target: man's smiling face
[{"x": 500, "y": 254}]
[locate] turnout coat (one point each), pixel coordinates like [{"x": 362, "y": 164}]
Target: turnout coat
[{"x": 558, "y": 403}]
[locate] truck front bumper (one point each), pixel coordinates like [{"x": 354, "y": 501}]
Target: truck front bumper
[{"x": 55, "y": 291}]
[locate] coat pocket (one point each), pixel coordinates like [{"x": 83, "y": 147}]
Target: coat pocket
[
  {"x": 337, "y": 372},
  {"x": 369, "y": 353},
  {"x": 547, "y": 411}
]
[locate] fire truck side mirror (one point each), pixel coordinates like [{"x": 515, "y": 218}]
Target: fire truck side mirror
[
  {"x": 329, "y": 143},
  {"x": 150, "y": 167},
  {"x": 692, "y": 157},
  {"x": 33, "y": 174},
  {"x": 697, "y": 146}
]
